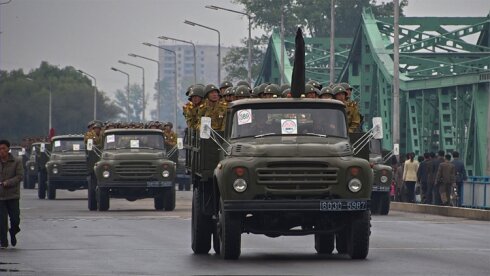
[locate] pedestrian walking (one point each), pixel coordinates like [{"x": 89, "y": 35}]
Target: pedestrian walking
[
  {"x": 410, "y": 176},
  {"x": 460, "y": 175},
  {"x": 445, "y": 177},
  {"x": 436, "y": 196},
  {"x": 423, "y": 177},
  {"x": 11, "y": 173}
]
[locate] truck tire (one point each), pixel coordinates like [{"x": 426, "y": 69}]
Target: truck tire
[
  {"x": 91, "y": 194},
  {"x": 41, "y": 191},
  {"x": 324, "y": 243},
  {"x": 375, "y": 203},
  {"x": 169, "y": 199},
  {"x": 158, "y": 201},
  {"x": 359, "y": 232},
  {"x": 202, "y": 225},
  {"x": 341, "y": 242},
  {"x": 230, "y": 232},
  {"x": 216, "y": 243},
  {"x": 103, "y": 199},
  {"x": 384, "y": 204},
  {"x": 51, "y": 190}
]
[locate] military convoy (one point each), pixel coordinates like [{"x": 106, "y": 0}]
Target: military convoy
[
  {"x": 281, "y": 167},
  {"x": 130, "y": 164}
]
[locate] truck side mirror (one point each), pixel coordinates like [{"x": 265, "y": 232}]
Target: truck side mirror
[
  {"x": 180, "y": 143},
  {"x": 42, "y": 148},
  {"x": 205, "y": 130},
  {"x": 378, "y": 128},
  {"x": 90, "y": 144}
]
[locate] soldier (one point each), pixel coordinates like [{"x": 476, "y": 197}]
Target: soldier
[
  {"x": 227, "y": 95},
  {"x": 94, "y": 132},
  {"x": 311, "y": 91},
  {"x": 445, "y": 178},
  {"x": 284, "y": 87},
  {"x": 223, "y": 86},
  {"x": 326, "y": 93},
  {"x": 315, "y": 84},
  {"x": 243, "y": 83},
  {"x": 353, "y": 116},
  {"x": 242, "y": 92},
  {"x": 271, "y": 91},
  {"x": 261, "y": 90},
  {"x": 287, "y": 93},
  {"x": 212, "y": 108},
  {"x": 170, "y": 140},
  {"x": 191, "y": 109}
]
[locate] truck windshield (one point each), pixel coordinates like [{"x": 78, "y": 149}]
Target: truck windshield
[
  {"x": 63, "y": 145},
  {"x": 133, "y": 141},
  {"x": 288, "y": 121}
]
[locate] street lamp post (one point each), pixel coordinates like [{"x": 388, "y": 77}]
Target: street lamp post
[
  {"x": 219, "y": 44},
  {"x": 175, "y": 76},
  {"x": 193, "y": 46},
  {"x": 249, "y": 16},
  {"x": 127, "y": 95},
  {"x": 158, "y": 81},
  {"x": 143, "y": 70},
  {"x": 95, "y": 91}
]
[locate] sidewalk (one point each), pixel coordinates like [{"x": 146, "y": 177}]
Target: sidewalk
[{"x": 469, "y": 213}]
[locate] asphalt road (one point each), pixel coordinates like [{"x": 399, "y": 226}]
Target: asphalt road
[{"x": 62, "y": 237}]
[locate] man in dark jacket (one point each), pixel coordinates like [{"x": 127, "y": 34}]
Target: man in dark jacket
[
  {"x": 11, "y": 172},
  {"x": 435, "y": 166},
  {"x": 445, "y": 177},
  {"x": 423, "y": 177},
  {"x": 460, "y": 174}
]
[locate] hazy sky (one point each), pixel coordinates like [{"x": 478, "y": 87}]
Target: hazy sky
[{"x": 93, "y": 34}]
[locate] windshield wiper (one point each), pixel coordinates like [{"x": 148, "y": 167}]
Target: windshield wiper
[
  {"x": 265, "y": 134},
  {"x": 315, "y": 134}
]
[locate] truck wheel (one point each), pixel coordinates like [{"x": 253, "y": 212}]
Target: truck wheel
[
  {"x": 41, "y": 191},
  {"x": 229, "y": 229},
  {"x": 158, "y": 201},
  {"x": 51, "y": 190},
  {"x": 375, "y": 203},
  {"x": 92, "y": 200},
  {"x": 216, "y": 243},
  {"x": 385, "y": 204},
  {"x": 169, "y": 199},
  {"x": 359, "y": 232},
  {"x": 341, "y": 242},
  {"x": 202, "y": 226},
  {"x": 103, "y": 199},
  {"x": 324, "y": 243}
]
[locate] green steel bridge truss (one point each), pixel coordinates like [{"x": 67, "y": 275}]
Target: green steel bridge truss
[{"x": 444, "y": 79}]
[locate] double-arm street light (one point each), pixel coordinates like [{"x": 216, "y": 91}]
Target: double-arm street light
[
  {"x": 158, "y": 80},
  {"x": 193, "y": 46},
  {"x": 249, "y": 16},
  {"x": 143, "y": 70},
  {"x": 95, "y": 91},
  {"x": 175, "y": 76},
  {"x": 127, "y": 92},
  {"x": 219, "y": 44}
]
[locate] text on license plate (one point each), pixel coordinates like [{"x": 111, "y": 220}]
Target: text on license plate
[
  {"x": 159, "y": 184},
  {"x": 342, "y": 205}
]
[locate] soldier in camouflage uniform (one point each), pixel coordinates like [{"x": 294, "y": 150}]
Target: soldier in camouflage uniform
[
  {"x": 223, "y": 86},
  {"x": 315, "y": 84},
  {"x": 192, "y": 107},
  {"x": 213, "y": 108},
  {"x": 311, "y": 91},
  {"x": 353, "y": 116},
  {"x": 94, "y": 132},
  {"x": 271, "y": 91},
  {"x": 242, "y": 92},
  {"x": 170, "y": 139}
]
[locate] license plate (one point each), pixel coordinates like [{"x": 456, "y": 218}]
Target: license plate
[
  {"x": 343, "y": 205},
  {"x": 159, "y": 184}
]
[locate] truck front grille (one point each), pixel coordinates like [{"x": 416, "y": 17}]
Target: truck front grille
[
  {"x": 135, "y": 170},
  {"x": 78, "y": 168},
  {"x": 297, "y": 176}
]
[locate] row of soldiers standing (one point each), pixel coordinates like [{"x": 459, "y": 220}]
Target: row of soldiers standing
[{"x": 211, "y": 101}]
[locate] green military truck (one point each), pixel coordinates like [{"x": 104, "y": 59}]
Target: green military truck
[
  {"x": 66, "y": 168},
  {"x": 130, "y": 164},
  {"x": 383, "y": 176},
  {"x": 282, "y": 167},
  {"x": 31, "y": 176}
]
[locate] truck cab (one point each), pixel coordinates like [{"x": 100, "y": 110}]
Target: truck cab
[
  {"x": 282, "y": 167},
  {"x": 383, "y": 176}
]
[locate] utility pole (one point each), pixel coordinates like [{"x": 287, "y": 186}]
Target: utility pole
[
  {"x": 282, "y": 43},
  {"x": 332, "y": 41},
  {"x": 396, "y": 79}
]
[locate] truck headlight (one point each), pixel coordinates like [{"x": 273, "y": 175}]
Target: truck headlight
[
  {"x": 240, "y": 185},
  {"x": 32, "y": 168},
  {"x": 55, "y": 170},
  {"x": 355, "y": 185},
  {"x": 383, "y": 179},
  {"x": 106, "y": 174},
  {"x": 165, "y": 173}
]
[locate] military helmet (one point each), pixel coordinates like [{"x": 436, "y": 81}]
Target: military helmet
[
  {"x": 285, "y": 92},
  {"x": 242, "y": 91},
  {"x": 255, "y": 91},
  {"x": 189, "y": 90},
  {"x": 168, "y": 124},
  {"x": 285, "y": 86},
  {"x": 311, "y": 88},
  {"x": 315, "y": 84},
  {"x": 198, "y": 90},
  {"x": 346, "y": 86},
  {"x": 273, "y": 89},
  {"x": 339, "y": 89},
  {"x": 228, "y": 91},
  {"x": 242, "y": 82},
  {"x": 225, "y": 84},
  {"x": 209, "y": 88},
  {"x": 90, "y": 124},
  {"x": 326, "y": 90},
  {"x": 97, "y": 123}
]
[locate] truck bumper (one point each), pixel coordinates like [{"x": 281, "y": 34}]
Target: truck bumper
[{"x": 332, "y": 205}]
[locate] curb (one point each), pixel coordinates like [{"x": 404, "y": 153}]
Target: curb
[{"x": 475, "y": 214}]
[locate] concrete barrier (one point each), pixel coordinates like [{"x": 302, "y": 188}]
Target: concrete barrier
[{"x": 476, "y": 214}]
